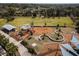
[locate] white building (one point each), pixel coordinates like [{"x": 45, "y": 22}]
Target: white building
[
  {"x": 7, "y": 28},
  {"x": 25, "y": 27}
]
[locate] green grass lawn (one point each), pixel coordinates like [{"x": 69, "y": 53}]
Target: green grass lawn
[
  {"x": 19, "y": 21},
  {"x": 39, "y": 44},
  {"x": 2, "y": 22}
]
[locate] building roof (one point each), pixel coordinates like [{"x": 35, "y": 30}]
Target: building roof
[
  {"x": 77, "y": 45},
  {"x": 2, "y": 51},
  {"x": 8, "y": 27},
  {"x": 64, "y": 52},
  {"x": 68, "y": 47},
  {"x": 27, "y": 26},
  {"x": 74, "y": 39}
]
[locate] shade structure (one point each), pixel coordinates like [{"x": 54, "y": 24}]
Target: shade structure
[
  {"x": 8, "y": 27},
  {"x": 64, "y": 52},
  {"x": 77, "y": 45},
  {"x": 25, "y": 27},
  {"x": 74, "y": 39},
  {"x": 69, "y": 49}
]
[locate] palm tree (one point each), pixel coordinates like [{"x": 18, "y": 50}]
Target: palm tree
[
  {"x": 57, "y": 26},
  {"x": 32, "y": 23}
]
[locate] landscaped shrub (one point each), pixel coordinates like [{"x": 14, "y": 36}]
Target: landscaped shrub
[{"x": 24, "y": 43}]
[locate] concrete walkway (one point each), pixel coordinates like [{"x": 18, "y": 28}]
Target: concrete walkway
[{"x": 22, "y": 50}]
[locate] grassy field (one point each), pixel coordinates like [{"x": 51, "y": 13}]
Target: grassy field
[
  {"x": 19, "y": 21},
  {"x": 2, "y": 22}
]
